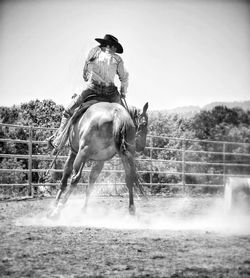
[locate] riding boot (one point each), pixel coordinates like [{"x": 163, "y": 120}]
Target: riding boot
[
  {"x": 54, "y": 140},
  {"x": 64, "y": 121},
  {"x": 77, "y": 101}
]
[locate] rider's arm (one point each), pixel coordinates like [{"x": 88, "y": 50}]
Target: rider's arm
[{"x": 123, "y": 77}]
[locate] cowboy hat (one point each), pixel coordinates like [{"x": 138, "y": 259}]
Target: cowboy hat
[{"x": 111, "y": 40}]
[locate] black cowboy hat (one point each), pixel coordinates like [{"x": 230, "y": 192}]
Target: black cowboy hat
[{"x": 111, "y": 40}]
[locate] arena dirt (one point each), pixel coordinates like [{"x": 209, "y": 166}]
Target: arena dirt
[{"x": 168, "y": 237}]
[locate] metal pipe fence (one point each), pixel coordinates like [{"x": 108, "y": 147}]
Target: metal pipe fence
[{"x": 166, "y": 161}]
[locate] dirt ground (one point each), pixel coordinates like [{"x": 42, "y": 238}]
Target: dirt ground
[{"x": 168, "y": 237}]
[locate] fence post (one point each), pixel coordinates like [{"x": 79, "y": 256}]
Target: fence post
[
  {"x": 151, "y": 155},
  {"x": 183, "y": 163},
  {"x": 30, "y": 187},
  {"x": 224, "y": 165}
]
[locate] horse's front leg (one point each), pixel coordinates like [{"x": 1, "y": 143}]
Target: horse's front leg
[
  {"x": 127, "y": 161},
  {"x": 94, "y": 174},
  {"x": 131, "y": 195}
]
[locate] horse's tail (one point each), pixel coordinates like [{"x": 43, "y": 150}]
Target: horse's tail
[
  {"x": 124, "y": 137},
  {"x": 123, "y": 131}
]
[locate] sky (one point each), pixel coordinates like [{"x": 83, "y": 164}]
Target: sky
[{"x": 177, "y": 52}]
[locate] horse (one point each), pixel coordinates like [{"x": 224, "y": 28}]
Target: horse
[{"x": 104, "y": 130}]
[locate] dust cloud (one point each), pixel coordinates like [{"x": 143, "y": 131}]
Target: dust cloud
[{"x": 175, "y": 214}]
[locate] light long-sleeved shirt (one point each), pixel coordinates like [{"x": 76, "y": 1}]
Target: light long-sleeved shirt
[{"x": 102, "y": 67}]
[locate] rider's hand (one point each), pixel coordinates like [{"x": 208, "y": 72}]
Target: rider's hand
[{"x": 122, "y": 93}]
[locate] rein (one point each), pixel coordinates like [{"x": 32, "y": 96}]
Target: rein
[{"x": 125, "y": 105}]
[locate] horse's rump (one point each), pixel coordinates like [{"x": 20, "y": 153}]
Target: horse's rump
[
  {"x": 107, "y": 121},
  {"x": 63, "y": 137}
]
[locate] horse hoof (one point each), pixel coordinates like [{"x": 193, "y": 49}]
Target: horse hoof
[
  {"x": 84, "y": 210},
  {"x": 132, "y": 210},
  {"x": 54, "y": 215}
]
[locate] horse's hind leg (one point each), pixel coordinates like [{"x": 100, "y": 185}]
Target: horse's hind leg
[
  {"x": 78, "y": 165},
  {"x": 95, "y": 172},
  {"x": 68, "y": 168},
  {"x": 55, "y": 213}
]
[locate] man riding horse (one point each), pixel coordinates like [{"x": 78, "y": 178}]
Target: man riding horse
[
  {"x": 100, "y": 68},
  {"x": 106, "y": 128}
]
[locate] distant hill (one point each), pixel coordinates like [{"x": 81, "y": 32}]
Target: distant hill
[
  {"x": 191, "y": 110},
  {"x": 184, "y": 110},
  {"x": 245, "y": 105}
]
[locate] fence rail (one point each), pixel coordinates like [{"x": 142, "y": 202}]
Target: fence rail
[{"x": 154, "y": 166}]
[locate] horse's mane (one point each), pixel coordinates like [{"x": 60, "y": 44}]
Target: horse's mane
[{"x": 134, "y": 112}]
